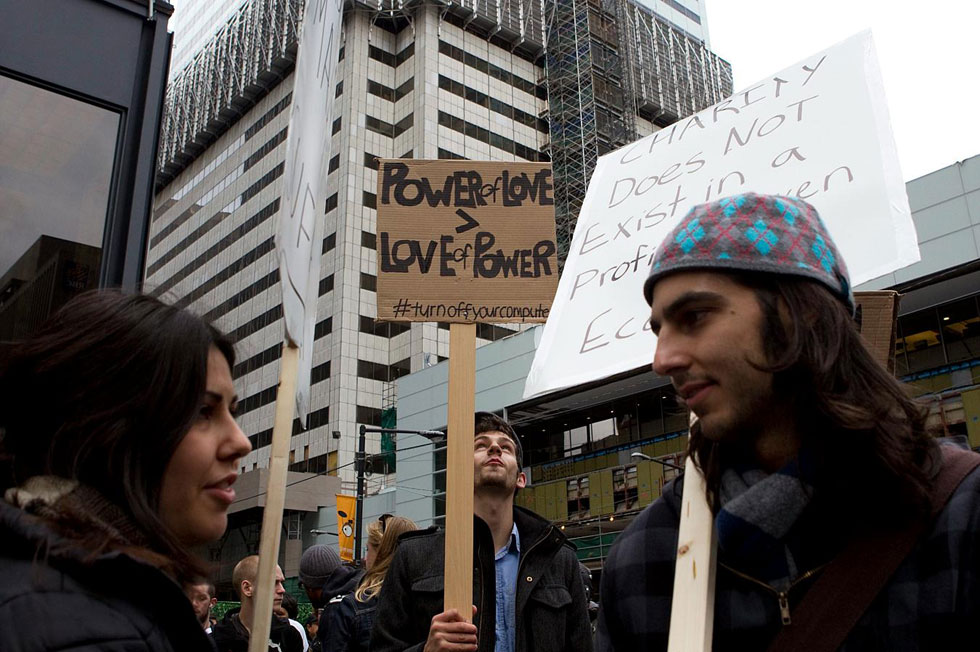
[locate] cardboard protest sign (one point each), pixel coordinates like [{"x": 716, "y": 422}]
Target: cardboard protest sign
[
  {"x": 818, "y": 130},
  {"x": 465, "y": 241}
]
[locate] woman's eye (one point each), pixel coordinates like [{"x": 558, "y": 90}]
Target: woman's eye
[{"x": 206, "y": 411}]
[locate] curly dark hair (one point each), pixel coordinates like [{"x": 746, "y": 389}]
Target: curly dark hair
[{"x": 867, "y": 437}]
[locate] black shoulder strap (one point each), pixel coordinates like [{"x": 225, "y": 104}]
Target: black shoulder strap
[{"x": 848, "y": 586}]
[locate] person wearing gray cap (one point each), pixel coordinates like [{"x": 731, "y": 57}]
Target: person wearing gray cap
[
  {"x": 832, "y": 512},
  {"x": 323, "y": 576}
]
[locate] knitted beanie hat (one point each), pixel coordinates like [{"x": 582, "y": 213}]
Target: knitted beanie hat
[
  {"x": 753, "y": 233},
  {"x": 317, "y": 565}
]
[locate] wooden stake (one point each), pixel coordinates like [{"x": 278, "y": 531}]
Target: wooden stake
[
  {"x": 275, "y": 499},
  {"x": 458, "y": 576},
  {"x": 692, "y": 610}
]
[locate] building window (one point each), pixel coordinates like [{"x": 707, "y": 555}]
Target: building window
[{"x": 369, "y": 282}]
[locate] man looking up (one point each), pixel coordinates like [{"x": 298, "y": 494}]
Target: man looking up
[
  {"x": 232, "y": 633},
  {"x": 809, "y": 447},
  {"x": 527, "y": 590}
]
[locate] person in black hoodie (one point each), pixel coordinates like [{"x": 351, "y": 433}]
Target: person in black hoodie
[
  {"x": 324, "y": 577},
  {"x": 232, "y": 633},
  {"x": 118, "y": 450}
]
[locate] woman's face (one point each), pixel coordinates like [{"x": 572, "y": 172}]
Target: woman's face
[
  {"x": 372, "y": 554},
  {"x": 197, "y": 484}
]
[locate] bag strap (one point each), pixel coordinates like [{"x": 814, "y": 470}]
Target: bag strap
[{"x": 848, "y": 586}]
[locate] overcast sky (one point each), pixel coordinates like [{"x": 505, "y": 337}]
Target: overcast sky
[{"x": 928, "y": 53}]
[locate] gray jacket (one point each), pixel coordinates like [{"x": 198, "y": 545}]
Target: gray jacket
[{"x": 550, "y": 602}]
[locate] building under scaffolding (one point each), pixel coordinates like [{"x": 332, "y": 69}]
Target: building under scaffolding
[{"x": 614, "y": 71}]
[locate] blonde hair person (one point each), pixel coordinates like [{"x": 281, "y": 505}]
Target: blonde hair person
[{"x": 353, "y": 619}]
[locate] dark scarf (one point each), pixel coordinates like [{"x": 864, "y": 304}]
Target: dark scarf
[{"x": 758, "y": 510}]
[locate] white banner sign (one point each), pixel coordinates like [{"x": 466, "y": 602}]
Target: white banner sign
[
  {"x": 818, "y": 130},
  {"x": 304, "y": 186}
]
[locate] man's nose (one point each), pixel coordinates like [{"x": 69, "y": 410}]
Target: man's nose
[{"x": 670, "y": 356}]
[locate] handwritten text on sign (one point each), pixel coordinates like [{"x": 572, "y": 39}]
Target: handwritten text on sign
[
  {"x": 817, "y": 130},
  {"x": 465, "y": 241}
]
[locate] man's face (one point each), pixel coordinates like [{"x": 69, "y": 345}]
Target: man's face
[
  {"x": 709, "y": 331},
  {"x": 495, "y": 463},
  {"x": 249, "y": 588},
  {"x": 201, "y": 601}
]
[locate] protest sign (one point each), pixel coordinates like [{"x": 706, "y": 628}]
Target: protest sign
[
  {"x": 465, "y": 241},
  {"x": 818, "y": 130},
  {"x": 298, "y": 232}
]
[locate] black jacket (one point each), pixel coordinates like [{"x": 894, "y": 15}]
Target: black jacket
[
  {"x": 230, "y": 635},
  {"x": 341, "y": 582},
  {"x": 550, "y": 602},
  {"x": 351, "y": 622},
  {"x": 53, "y": 598}
]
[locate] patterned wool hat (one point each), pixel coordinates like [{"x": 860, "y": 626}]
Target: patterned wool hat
[{"x": 754, "y": 233}]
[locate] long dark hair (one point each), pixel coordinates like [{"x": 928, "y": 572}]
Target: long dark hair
[
  {"x": 103, "y": 393},
  {"x": 866, "y": 438}
]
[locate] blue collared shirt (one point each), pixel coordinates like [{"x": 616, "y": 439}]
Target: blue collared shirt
[{"x": 506, "y": 563}]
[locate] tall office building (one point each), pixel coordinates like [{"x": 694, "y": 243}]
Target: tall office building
[{"x": 510, "y": 80}]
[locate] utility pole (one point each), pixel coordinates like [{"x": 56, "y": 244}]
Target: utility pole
[
  {"x": 360, "y": 495},
  {"x": 359, "y": 463}
]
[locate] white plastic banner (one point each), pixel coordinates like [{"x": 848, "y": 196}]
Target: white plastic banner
[
  {"x": 304, "y": 187},
  {"x": 818, "y": 130}
]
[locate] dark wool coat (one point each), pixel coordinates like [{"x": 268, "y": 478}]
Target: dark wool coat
[
  {"x": 932, "y": 602},
  {"x": 61, "y": 601},
  {"x": 551, "y": 611}
]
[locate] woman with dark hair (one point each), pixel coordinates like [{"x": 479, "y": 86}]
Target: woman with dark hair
[
  {"x": 352, "y": 621},
  {"x": 118, "y": 451}
]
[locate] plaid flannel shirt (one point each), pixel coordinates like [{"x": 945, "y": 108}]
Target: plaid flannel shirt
[{"x": 932, "y": 601}]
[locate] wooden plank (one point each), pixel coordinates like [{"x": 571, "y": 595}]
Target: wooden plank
[
  {"x": 459, "y": 470},
  {"x": 275, "y": 498},
  {"x": 693, "y": 605}
]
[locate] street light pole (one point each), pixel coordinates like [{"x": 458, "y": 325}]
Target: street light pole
[
  {"x": 644, "y": 456},
  {"x": 358, "y": 516},
  {"x": 359, "y": 462}
]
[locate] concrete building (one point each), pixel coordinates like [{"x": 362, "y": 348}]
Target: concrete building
[
  {"x": 416, "y": 80},
  {"x": 579, "y": 442}
]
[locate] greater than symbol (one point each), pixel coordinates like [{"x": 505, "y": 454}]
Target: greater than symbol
[{"x": 468, "y": 221}]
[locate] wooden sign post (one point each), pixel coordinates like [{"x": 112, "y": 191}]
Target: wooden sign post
[
  {"x": 464, "y": 242},
  {"x": 275, "y": 496}
]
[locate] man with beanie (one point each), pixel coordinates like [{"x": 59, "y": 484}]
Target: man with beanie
[
  {"x": 324, "y": 577},
  {"x": 528, "y": 594},
  {"x": 836, "y": 513}
]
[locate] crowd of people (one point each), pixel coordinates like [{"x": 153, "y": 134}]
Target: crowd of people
[{"x": 839, "y": 517}]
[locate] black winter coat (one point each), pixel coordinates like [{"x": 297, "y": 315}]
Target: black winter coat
[
  {"x": 58, "y": 600},
  {"x": 341, "y": 582},
  {"x": 551, "y": 611},
  {"x": 229, "y": 635}
]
